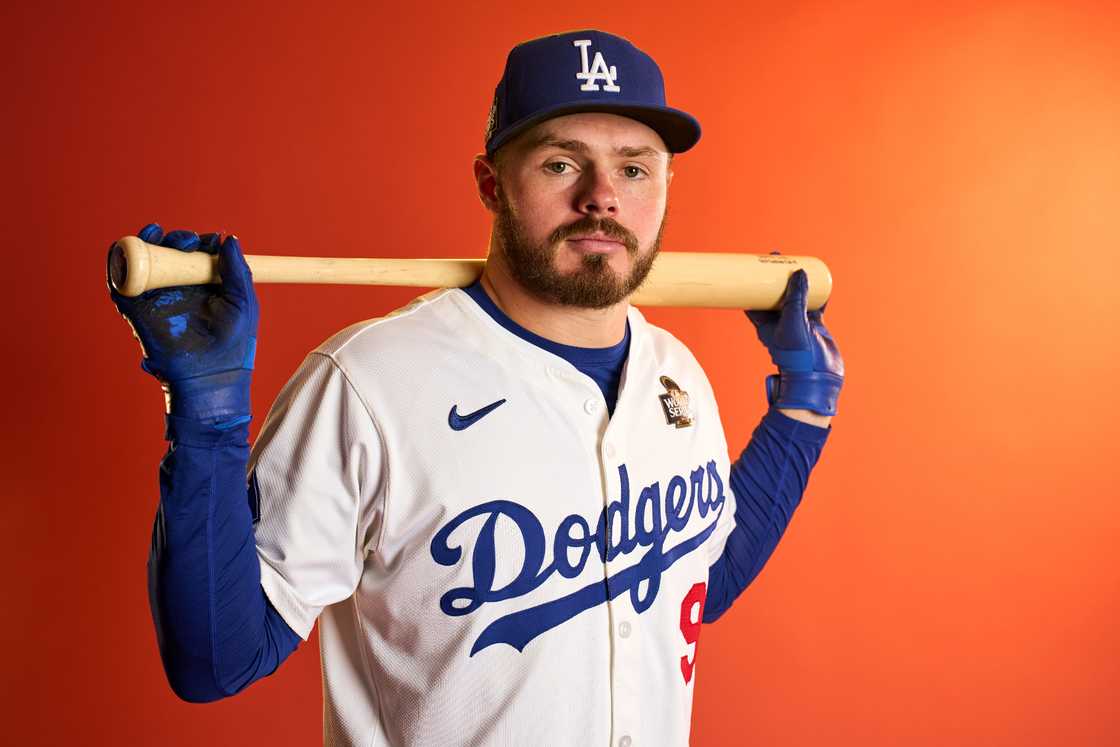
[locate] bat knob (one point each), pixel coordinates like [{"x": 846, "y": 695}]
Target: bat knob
[
  {"x": 118, "y": 268},
  {"x": 129, "y": 266}
]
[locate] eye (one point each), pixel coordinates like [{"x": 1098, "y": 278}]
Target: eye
[
  {"x": 558, "y": 167},
  {"x": 633, "y": 172}
]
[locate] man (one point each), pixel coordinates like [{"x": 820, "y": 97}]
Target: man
[{"x": 509, "y": 507}]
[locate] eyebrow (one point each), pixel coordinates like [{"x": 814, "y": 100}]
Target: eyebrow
[{"x": 548, "y": 140}]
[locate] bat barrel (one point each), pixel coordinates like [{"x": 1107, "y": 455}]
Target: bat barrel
[{"x": 728, "y": 280}]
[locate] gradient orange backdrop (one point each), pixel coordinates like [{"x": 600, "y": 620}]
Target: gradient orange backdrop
[{"x": 953, "y": 574}]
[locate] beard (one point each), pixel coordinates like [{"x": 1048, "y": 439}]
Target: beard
[{"x": 594, "y": 285}]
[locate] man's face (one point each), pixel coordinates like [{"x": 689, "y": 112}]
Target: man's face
[{"x": 581, "y": 207}]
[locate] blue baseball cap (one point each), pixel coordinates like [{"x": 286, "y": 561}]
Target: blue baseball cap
[{"x": 583, "y": 71}]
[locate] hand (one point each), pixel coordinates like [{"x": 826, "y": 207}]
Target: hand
[
  {"x": 810, "y": 369},
  {"x": 199, "y": 341}
]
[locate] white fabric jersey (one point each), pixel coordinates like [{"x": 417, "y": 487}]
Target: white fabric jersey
[{"x": 433, "y": 491}]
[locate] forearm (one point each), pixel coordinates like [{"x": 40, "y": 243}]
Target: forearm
[
  {"x": 767, "y": 481},
  {"x": 217, "y": 632},
  {"x": 807, "y": 416}
]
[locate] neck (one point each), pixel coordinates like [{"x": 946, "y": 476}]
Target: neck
[{"x": 567, "y": 325}]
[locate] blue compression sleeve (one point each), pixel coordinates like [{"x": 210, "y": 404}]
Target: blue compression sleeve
[
  {"x": 216, "y": 629},
  {"x": 767, "y": 480}
]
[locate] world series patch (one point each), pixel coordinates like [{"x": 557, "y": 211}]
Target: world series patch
[{"x": 676, "y": 403}]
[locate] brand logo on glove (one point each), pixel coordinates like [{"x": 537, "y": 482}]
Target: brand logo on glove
[
  {"x": 619, "y": 531},
  {"x": 677, "y": 404}
]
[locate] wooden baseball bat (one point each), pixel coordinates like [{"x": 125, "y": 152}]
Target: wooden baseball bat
[{"x": 691, "y": 279}]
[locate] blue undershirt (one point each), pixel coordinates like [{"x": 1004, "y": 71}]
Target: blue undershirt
[
  {"x": 217, "y": 630},
  {"x": 603, "y": 365}
]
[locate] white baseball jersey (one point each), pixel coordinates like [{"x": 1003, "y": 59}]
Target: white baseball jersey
[{"x": 492, "y": 560}]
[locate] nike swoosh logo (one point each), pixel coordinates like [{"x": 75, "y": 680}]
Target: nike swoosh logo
[{"x": 461, "y": 422}]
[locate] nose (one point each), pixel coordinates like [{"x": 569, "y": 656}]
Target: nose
[{"x": 597, "y": 195}]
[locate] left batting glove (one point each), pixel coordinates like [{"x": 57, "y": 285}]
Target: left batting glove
[
  {"x": 810, "y": 369},
  {"x": 199, "y": 341}
]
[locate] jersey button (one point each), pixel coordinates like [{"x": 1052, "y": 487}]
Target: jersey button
[
  {"x": 624, "y": 629},
  {"x": 591, "y": 406},
  {"x": 624, "y": 741}
]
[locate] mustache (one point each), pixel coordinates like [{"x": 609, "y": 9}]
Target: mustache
[{"x": 607, "y": 226}]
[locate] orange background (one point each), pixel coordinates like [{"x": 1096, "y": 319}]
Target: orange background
[{"x": 952, "y": 575}]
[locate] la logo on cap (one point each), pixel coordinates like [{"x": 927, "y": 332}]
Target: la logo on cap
[{"x": 598, "y": 72}]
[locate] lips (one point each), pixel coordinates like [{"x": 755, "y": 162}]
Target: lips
[{"x": 595, "y": 243}]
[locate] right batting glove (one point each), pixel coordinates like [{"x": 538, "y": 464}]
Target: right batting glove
[
  {"x": 810, "y": 369},
  {"x": 199, "y": 341}
]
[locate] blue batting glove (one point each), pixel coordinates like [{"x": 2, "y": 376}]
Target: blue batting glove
[
  {"x": 199, "y": 341},
  {"x": 810, "y": 369}
]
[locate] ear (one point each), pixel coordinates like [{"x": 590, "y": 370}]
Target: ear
[{"x": 486, "y": 181}]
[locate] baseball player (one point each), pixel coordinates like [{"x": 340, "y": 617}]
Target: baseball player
[{"x": 510, "y": 507}]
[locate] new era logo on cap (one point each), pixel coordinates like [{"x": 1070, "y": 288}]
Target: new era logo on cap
[{"x": 583, "y": 71}]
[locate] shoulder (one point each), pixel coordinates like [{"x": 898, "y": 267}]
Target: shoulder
[
  {"x": 431, "y": 337},
  {"x": 663, "y": 344},
  {"x": 425, "y": 322},
  {"x": 669, "y": 356}
]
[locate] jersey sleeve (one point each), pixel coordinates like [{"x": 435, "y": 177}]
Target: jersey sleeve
[
  {"x": 726, "y": 523},
  {"x": 718, "y": 541},
  {"x": 317, "y": 468}
]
